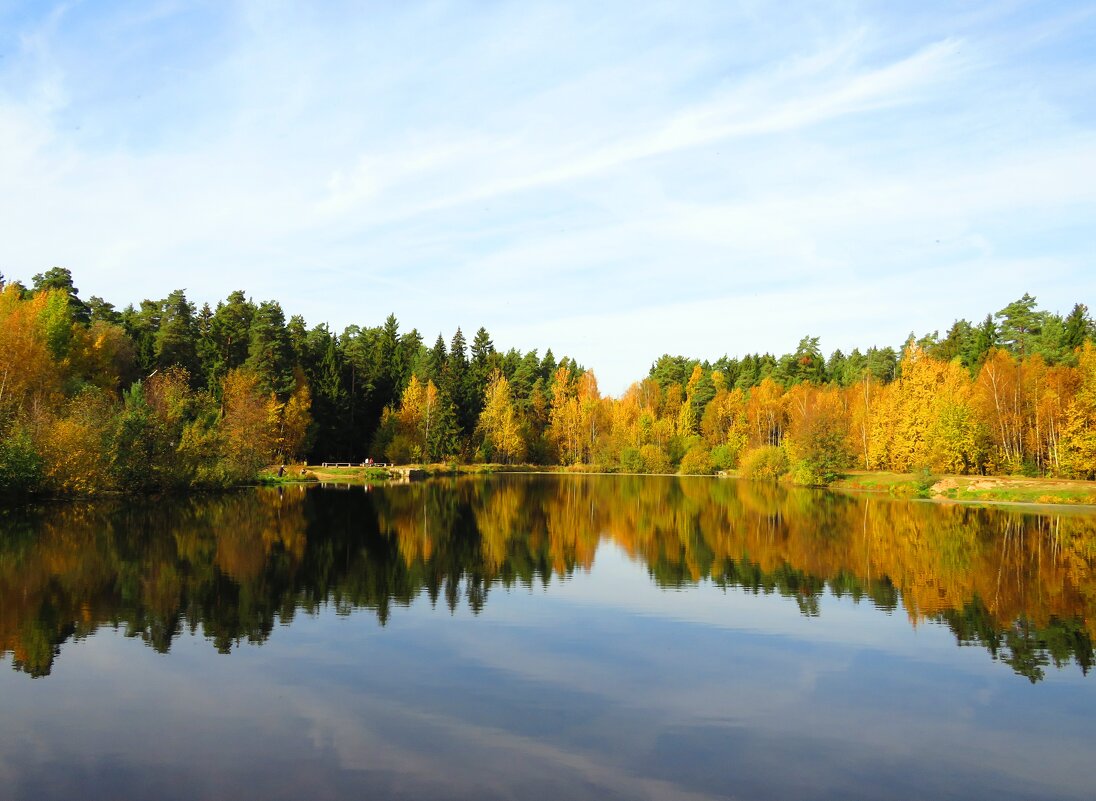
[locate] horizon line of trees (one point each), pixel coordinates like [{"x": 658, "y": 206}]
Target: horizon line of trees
[{"x": 166, "y": 394}]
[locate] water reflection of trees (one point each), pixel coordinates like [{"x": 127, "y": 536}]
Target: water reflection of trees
[{"x": 1020, "y": 585}]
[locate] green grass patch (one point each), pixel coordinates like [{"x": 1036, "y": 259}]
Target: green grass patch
[
  {"x": 295, "y": 474},
  {"x": 350, "y": 475},
  {"x": 989, "y": 489},
  {"x": 900, "y": 485},
  {"x": 1023, "y": 495}
]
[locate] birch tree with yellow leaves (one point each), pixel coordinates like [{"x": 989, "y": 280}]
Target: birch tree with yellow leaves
[
  {"x": 498, "y": 427},
  {"x": 1078, "y": 455}
]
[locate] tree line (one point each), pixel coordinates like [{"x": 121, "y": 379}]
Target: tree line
[
  {"x": 166, "y": 394},
  {"x": 1015, "y": 393}
]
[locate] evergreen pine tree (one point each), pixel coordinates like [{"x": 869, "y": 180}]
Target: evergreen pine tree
[
  {"x": 61, "y": 278},
  {"x": 436, "y": 361},
  {"x": 1078, "y": 327},
  {"x": 984, "y": 339},
  {"x": 229, "y": 337},
  {"x": 269, "y": 353},
  {"x": 177, "y": 335}
]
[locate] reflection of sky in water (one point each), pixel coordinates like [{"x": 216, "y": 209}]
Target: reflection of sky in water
[{"x": 601, "y": 686}]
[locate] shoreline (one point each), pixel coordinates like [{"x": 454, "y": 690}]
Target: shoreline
[
  {"x": 996, "y": 490},
  {"x": 948, "y": 488},
  {"x": 945, "y": 489}
]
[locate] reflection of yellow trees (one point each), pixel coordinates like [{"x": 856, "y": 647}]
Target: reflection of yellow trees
[
  {"x": 498, "y": 523},
  {"x": 79, "y": 566},
  {"x": 517, "y": 529},
  {"x": 570, "y": 527},
  {"x": 232, "y": 564},
  {"x": 937, "y": 557}
]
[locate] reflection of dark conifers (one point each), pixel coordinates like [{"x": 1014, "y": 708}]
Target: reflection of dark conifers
[{"x": 1019, "y": 585}]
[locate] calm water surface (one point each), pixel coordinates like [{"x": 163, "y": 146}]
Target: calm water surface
[{"x": 546, "y": 637}]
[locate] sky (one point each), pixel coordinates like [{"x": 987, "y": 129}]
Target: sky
[{"x": 614, "y": 180}]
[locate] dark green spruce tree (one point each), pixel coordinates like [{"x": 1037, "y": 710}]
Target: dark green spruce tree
[{"x": 269, "y": 353}]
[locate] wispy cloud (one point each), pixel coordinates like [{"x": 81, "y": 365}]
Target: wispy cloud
[{"x": 792, "y": 97}]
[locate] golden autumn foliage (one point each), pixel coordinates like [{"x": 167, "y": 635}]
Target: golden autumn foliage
[
  {"x": 1012, "y": 416},
  {"x": 860, "y": 401},
  {"x": 921, "y": 419},
  {"x": 1002, "y": 402},
  {"x": 767, "y": 413},
  {"x": 498, "y": 423},
  {"x": 76, "y": 418},
  {"x": 411, "y": 432},
  {"x": 725, "y": 422},
  {"x": 1078, "y": 457},
  {"x": 73, "y": 445},
  {"x": 292, "y": 420},
  {"x": 183, "y": 411},
  {"x": 247, "y": 425},
  {"x": 577, "y": 416},
  {"x": 103, "y": 355},
  {"x": 817, "y": 433},
  {"x": 689, "y": 415},
  {"x": 414, "y": 415},
  {"x": 30, "y": 380},
  {"x": 765, "y": 463},
  {"x": 169, "y": 396}
]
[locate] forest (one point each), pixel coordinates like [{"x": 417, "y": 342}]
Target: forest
[{"x": 167, "y": 395}]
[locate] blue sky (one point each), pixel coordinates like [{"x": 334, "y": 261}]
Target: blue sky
[{"x": 613, "y": 180}]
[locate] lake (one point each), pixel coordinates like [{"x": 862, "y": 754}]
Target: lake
[{"x": 546, "y": 637}]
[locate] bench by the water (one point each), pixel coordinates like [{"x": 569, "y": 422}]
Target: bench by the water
[{"x": 353, "y": 464}]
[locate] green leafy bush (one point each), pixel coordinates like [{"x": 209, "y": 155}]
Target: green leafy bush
[
  {"x": 806, "y": 474},
  {"x": 631, "y": 461},
  {"x": 924, "y": 481},
  {"x": 723, "y": 457},
  {"x": 20, "y": 464}
]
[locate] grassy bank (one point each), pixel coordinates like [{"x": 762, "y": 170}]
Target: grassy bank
[
  {"x": 1002, "y": 489},
  {"x": 340, "y": 475}
]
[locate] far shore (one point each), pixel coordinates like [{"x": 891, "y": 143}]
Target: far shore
[{"x": 943, "y": 488}]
